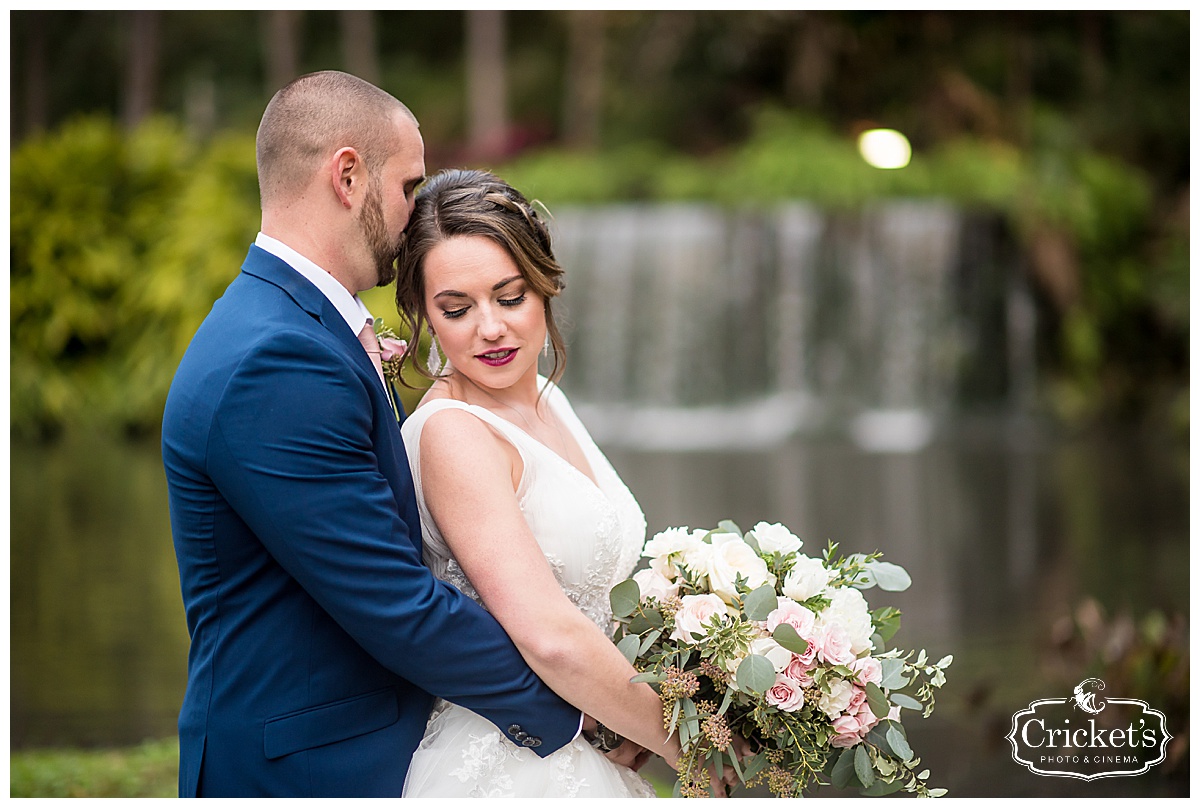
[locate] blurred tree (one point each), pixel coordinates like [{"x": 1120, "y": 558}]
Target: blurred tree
[
  {"x": 487, "y": 90},
  {"x": 281, "y": 41},
  {"x": 360, "y": 48},
  {"x": 141, "y": 69},
  {"x": 584, "y": 96}
]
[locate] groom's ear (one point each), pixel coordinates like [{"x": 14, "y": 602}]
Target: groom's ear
[{"x": 348, "y": 175}]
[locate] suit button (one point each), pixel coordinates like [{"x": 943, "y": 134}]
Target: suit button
[
  {"x": 521, "y": 737},
  {"x": 531, "y": 742},
  {"x": 514, "y": 729}
]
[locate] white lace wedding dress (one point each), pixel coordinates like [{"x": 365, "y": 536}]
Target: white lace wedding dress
[{"x": 592, "y": 537}]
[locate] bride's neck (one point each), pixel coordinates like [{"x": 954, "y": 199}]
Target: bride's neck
[{"x": 522, "y": 395}]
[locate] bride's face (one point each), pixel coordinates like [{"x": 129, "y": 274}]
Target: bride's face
[{"x": 488, "y": 322}]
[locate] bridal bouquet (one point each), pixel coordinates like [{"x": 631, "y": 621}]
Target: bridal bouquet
[{"x": 741, "y": 633}]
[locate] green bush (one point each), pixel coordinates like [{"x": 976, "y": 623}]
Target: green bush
[{"x": 120, "y": 245}]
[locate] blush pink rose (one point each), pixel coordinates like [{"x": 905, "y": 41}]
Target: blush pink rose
[
  {"x": 858, "y": 697},
  {"x": 391, "y": 348},
  {"x": 694, "y": 613},
  {"x": 801, "y": 669},
  {"x": 846, "y": 732},
  {"x": 790, "y": 612},
  {"x": 787, "y": 694},
  {"x": 866, "y": 719},
  {"x": 867, "y": 669},
  {"x": 833, "y": 646}
]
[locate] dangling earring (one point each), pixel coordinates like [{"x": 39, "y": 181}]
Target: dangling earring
[
  {"x": 435, "y": 359},
  {"x": 546, "y": 345}
]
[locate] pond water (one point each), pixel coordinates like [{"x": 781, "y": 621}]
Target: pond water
[{"x": 1004, "y": 532}]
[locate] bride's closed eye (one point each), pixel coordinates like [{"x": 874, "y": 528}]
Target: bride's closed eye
[{"x": 512, "y": 301}]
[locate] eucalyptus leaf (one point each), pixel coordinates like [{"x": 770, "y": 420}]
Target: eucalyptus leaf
[
  {"x": 638, "y": 625},
  {"x": 727, "y": 526},
  {"x": 906, "y": 701},
  {"x": 893, "y": 673},
  {"x": 760, "y": 603},
  {"x": 628, "y": 646},
  {"x": 752, "y": 540},
  {"x": 654, "y": 617},
  {"x": 843, "y": 770},
  {"x": 725, "y": 701},
  {"x": 649, "y": 640},
  {"x": 890, "y": 577},
  {"x": 755, "y": 674},
  {"x": 737, "y": 767},
  {"x": 625, "y": 598},
  {"x": 881, "y": 788},
  {"x": 876, "y": 700},
  {"x": 877, "y": 737},
  {"x": 755, "y": 765},
  {"x": 648, "y": 676},
  {"x": 862, "y": 766},
  {"x": 786, "y": 636},
  {"x": 899, "y": 743}
]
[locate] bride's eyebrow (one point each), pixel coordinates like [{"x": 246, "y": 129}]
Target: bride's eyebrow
[{"x": 495, "y": 288}]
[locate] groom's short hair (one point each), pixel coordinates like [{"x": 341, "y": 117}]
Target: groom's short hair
[{"x": 313, "y": 116}]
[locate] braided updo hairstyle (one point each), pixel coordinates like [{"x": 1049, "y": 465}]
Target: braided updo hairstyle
[{"x": 467, "y": 202}]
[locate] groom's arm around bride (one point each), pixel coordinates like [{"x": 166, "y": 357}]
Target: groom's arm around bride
[{"x": 318, "y": 638}]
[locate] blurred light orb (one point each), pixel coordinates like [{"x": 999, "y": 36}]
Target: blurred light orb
[{"x": 884, "y": 148}]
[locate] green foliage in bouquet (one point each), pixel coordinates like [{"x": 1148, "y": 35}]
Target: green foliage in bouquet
[{"x": 740, "y": 633}]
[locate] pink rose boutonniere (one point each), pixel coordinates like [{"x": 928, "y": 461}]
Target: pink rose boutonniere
[{"x": 391, "y": 351}]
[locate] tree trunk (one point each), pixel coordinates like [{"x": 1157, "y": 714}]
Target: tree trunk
[
  {"x": 487, "y": 107},
  {"x": 37, "y": 86},
  {"x": 584, "y": 99},
  {"x": 360, "y": 51},
  {"x": 281, "y": 39},
  {"x": 141, "y": 77}
]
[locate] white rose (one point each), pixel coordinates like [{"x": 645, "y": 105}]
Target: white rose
[
  {"x": 807, "y": 577},
  {"x": 669, "y": 541},
  {"x": 848, "y": 610},
  {"x": 835, "y": 702},
  {"x": 730, "y": 558},
  {"x": 695, "y": 612},
  {"x": 779, "y": 656},
  {"x": 654, "y": 585},
  {"x": 676, "y": 544},
  {"x": 696, "y": 552},
  {"x": 775, "y": 539}
]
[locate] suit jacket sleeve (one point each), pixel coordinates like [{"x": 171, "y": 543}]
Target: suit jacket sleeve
[{"x": 297, "y": 460}]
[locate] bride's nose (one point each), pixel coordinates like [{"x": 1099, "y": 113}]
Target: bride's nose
[{"x": 491, "y": 324}]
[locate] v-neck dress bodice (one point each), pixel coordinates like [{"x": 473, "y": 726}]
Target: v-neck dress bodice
[{"x": 591, "y": 533}]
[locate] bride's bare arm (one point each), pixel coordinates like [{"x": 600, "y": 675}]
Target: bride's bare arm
[{"x": 467, "y": 474}]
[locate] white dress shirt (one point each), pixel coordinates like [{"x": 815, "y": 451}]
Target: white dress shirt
[{"x": 352, "y": 309}]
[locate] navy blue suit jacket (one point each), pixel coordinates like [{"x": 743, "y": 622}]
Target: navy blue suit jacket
[{"x": 318, "y": 638}]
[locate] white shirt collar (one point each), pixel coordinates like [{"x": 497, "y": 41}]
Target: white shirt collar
[{"x": 352, "y": 309}]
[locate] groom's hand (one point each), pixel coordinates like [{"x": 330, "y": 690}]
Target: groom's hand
[{"x": 629, "y": 755}]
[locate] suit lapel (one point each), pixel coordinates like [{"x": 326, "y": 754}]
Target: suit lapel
[{"x": 274, "y": 270}]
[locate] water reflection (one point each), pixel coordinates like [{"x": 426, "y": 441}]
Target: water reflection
[{"x": 1002, "y": 537}]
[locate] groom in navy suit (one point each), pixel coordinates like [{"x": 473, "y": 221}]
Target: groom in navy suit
[{"x": 318, "y": 638}]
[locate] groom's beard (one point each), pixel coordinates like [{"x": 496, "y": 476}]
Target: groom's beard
[{"x": 374, "y": 229}]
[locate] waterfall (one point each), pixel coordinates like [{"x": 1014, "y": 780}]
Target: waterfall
[{"x": 697, "y": 327}]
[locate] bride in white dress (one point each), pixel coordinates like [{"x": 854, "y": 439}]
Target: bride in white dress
[{"x": 519, "y": 508}]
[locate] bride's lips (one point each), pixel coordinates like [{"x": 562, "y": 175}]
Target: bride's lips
[{"x": 498, "y": 357}]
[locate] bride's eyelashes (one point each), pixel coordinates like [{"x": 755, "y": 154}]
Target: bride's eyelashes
[{"x": 454, "y": 314}]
